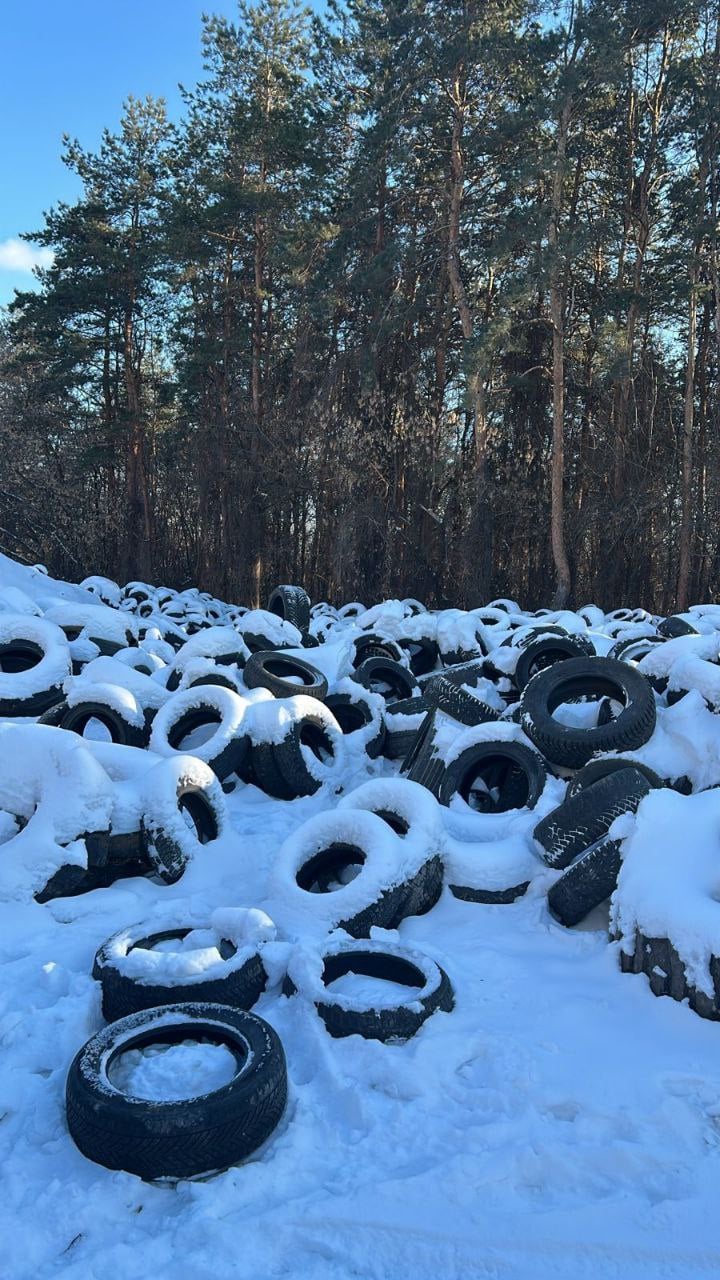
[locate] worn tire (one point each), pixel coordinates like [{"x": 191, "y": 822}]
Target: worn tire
[
  {"x": 587, "y": 883},
  {"x": 292, "y": 604},
  {"x": 594, "y": 770},
  {"x": 270, "y": 670},
  {"x": 431, "y": 986},
  {"x": 578, "y": 677},
  {"x": 515, "y": 772},
  {"x": 586, "y": 817},
  {"x": 388, "y": 678},
  {"x": 178, "y": 1139}
]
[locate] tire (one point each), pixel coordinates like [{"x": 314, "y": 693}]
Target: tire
[
  {"x": 226, "y": 749},
  {"x": 239, "y": 983},
  {"x": 672, "y": 627},
  {"x": 355, "y": 715},
  {"x": 372, "y": 645},
  {"x": 122, "y": 730},
  {"x": 306, "y": 757},
  {"x": 430, "y": 990},
  {"x": 545, "y": 652},
  {"x": 634, "y": 650},
  {"x": 422, "y": 764},
  {"x": 466, "y": 672},
  {"x": 34, "y": 663},
  {"x": 587, "y": 883},
  {"x": 312, "y": 873},
  {"x": 171, "y": 787},
  {"x": 602, "y": 768},
  {"x": 399, "y": 741},
  {"x": 586, "y": 817},
  {"x": 177, "y": 1139},
  {"x": 490, "y": 897},
  {"x": 575, "y": 678},
  {"x": 445, "y": 695},
  {"x": 514, "y": 772},
  {"x": 270, "y": 670},
  {"x": 292, "y": 604},
  {"x": 388, "y": 678},
  {"x": 421, "y": 653}
]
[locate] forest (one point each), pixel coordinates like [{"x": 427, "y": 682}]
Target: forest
[{"x": 418, "y": 297}]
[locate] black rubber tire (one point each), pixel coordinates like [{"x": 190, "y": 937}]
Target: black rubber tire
[
  {"x": 398, "y": 742},
  {"x": 53, "y": 716},
  {"x": 545, "y": 652},
  {"x": 229, "y": 759},
  {"x": 166, "y": 855},
  {"x": 445, "y": 695},
  {"x": 270, "y": 669},
  {"x": 384, "y": 671},
  {"x": 292, "y": 604},
  {"x": 466, "y": 672},
  {"x": 123, "y": 995},
  {"x": 159, "y": 1139},
  {"x": 352, "y": 714},
  {"x": 575, "y": 678},
  {"x": 605, "y": 765},
  {"x": 671, "y": 628},
  {"x": 411, "y": 897},
  {"x": 587, "y": 883},
  {"x": 422, "y": 764},
  {"x": 121, "y": 730},
  {"x": 586, "y": 817},
  {"x": 372, "y": 645},
  {"x": 396, "y": 1022},
  {"x": 514, "y": 771},
  {"x": 634, "y": 650},
  {"x": 422, "y": 654},
  {"x": 288, "y": 757},
  {"x": 14, "y": 657}
]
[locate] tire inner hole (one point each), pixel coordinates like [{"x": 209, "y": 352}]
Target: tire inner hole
[
  {"x": 194, "y": 729},
  {"x": 331, "y": 869},
  {"x": 495, "y": 785}
]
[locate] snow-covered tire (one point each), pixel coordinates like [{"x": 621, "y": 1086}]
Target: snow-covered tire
[
  {"x": 510, "y": 769},
  {"x": 545, "y": 652},
  {"x": 171, "y": 787},
  {"x": 34, "y": 662},
  {"x": 123, "y": 729},
  {"x": 134, "y": 976},
  {"x": 274, "y": 670},
  {"x": 672, "y": 627},
  {"x": 431, "y": 989},
  {"x": 490, "y": 897},
  {"x": 177, "y": 1139},
  {"x": 292, "y": 604},
  {"x": 587, "y": 883},
  {"x": 586, "y": 817},
  {"x": 403, "y": 719},
  {"x": 372, "y": 645},
  {"x": 359, "y": 715},
  {"x": 594, "y": 770},
  {"x": 634, "y": 649},
  {"x": 422, "y": 764},
  {"x": 313, "y": 872},
  {"x": 577, "y": 678},
  {"x": 414, "y": 816},
  {"x": 421, "y": 652},
  {"x": 226, "y": 749},
  {"x": 390, "y": 679}
]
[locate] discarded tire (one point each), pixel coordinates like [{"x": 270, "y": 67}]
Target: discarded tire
[
  {"x": 284, "y": 676},
  {"x": 586, "y": 817},
  {"x": 492, "y": 777},
  {"x": 221, "y": 967},
  {"x": 579, "y": 678},
  {"x": 586, "y": 884},
  {"x": 429, "y": 990},
  {"x": 292, "y": 604},
  {"x": 183, "y": 1137}
]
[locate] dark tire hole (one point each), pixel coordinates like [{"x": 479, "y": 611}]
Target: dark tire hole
[
  {"x": 314, "y": 737},
  {"x": 331, "y": 868},
  {"x": 189, "y": 724},
  {"x": 199, "y": 816},
  {"x": 398, "y": 824}
]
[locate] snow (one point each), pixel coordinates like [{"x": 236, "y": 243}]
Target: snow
[
  {"x": 167, "y": 1073},
  {"x": 561, "y": 1122}
]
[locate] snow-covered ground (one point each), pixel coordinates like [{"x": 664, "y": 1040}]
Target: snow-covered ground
[{"x": 560, "y": 1122}]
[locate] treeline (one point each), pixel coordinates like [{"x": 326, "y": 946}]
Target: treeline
[{"x": 420, "y": 297}]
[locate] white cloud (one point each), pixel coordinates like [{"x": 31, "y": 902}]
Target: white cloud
[{"x": 16, "y": 255}]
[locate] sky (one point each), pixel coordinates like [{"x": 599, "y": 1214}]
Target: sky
[{"x": 66, "y": 66}]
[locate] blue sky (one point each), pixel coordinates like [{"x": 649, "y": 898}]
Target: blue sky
[{"x": 65, "y": 67}]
